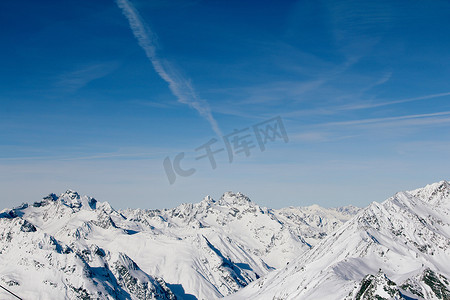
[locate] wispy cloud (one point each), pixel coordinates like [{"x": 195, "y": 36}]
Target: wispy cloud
[
  {"x": 388, "y": 119},
  {"x": 424, "y": 146},
  {"x": 386, "y": 103},
  {"x": 357, "y": 26},
  {"x": 179, "y": 85},
  {"x": 319, "y": 137},
  {"x": 155, "y": 104},
  {"x": 95, "y": 157},
  {"x": 331, "y": 110},
  {"x": 76, "y": 79},
  {"x": 384, "y": 78}
]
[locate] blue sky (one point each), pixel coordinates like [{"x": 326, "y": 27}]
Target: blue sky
[{"x": 94, "y": 96}]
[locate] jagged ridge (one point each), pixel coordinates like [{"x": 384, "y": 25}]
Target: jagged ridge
[
  {"x": 405, "y": 241},
  {"x": 205, "y": 250}
]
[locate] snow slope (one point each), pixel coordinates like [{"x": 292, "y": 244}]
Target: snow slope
[
  {"x": 399, "y": 249},
  {"x": 76, "y": 247}
]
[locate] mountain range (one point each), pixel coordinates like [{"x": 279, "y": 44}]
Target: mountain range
[
  {"x": 397, "y": 249},
  {"x": 75, "y": 247}
]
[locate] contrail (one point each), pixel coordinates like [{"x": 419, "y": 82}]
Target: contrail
[{"x": 179, "y": 86}]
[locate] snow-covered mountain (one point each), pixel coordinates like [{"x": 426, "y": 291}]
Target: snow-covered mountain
[
  {"x": 78, "y": 248},
  {"x": 399, "y": 249},
  {"x": 75, "y": 247}
]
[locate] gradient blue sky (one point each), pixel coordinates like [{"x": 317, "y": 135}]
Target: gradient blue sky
[{"x": 362, "y": 87}]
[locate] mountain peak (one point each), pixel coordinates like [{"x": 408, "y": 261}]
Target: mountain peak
[
  {"x": 69, "y": 198},
  {"x": 208, "y": 199},
  {"x": 434, "y": 193},
  {"x": 50, "y": 197},
  {"x": 230, "y": 198},
  {"x": 70, "y": 194}
]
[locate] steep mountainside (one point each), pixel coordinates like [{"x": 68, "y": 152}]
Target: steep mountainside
[{"x": 399, "y": 249}]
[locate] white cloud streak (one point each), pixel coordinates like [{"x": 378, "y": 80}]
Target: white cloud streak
[
  {"x": 379, "y": 104},
  {"x": 387, "y": 119},
  {"x": 179, "y": 86},
  {"x": 77, "y": 79},
  {"x": 331, "y": 110}
]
